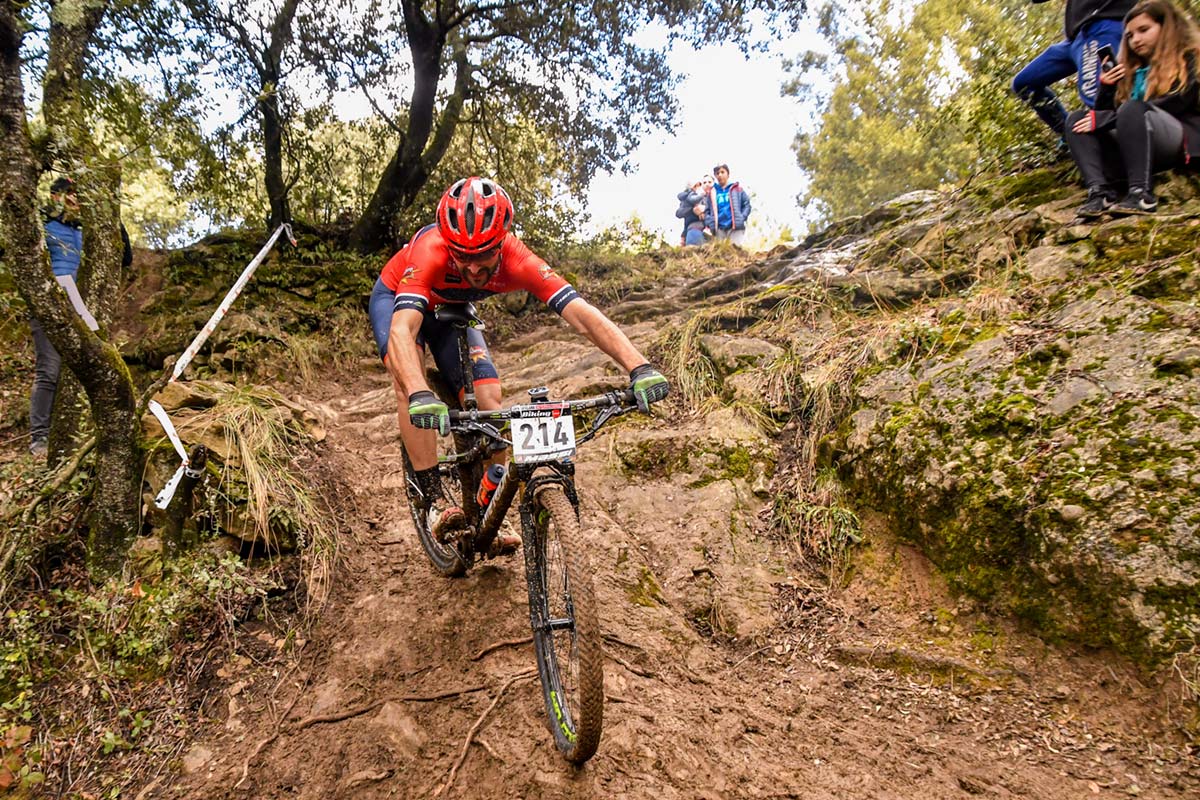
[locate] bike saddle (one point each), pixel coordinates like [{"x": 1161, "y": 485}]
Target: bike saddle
[{"x": 460, "y": 315}]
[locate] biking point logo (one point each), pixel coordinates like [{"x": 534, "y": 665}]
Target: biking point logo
[{"x": 552, "y": 410}]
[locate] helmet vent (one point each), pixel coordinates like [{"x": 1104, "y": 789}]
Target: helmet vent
[{"x": 488, "y": 216}]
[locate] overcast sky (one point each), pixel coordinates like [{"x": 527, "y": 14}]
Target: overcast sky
[{"x": 731, "y": 112}]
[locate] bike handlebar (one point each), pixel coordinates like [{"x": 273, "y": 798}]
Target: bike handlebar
[{"x": 623, "y": 397}]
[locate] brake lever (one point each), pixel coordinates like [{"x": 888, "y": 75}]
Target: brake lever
[
  {"x": 602, "y": 419},
  {"x": 480, "y": 427}
]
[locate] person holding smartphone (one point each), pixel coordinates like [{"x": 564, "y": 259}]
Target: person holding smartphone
[
  {"x": 1147, "y": 114},
  {"x": 1089, "y": 26}
]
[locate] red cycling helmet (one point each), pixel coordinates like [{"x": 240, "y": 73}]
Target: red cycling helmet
[{"x": 474, "y": 215}]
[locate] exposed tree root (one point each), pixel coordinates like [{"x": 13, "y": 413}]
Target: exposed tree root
[
  {"x": 369, "y": 707},
  {"x": 462, "y": 757},
  {"x": 636, "y": 670},
  {"x": 491, "y": 648}
]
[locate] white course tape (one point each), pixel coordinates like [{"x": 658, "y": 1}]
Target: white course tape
[
  {"x": 232, "y": 295},
  {"x": 168, "y": 491},
  {"x": 164, "y": 497}
]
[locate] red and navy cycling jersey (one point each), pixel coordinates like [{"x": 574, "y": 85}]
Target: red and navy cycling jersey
[{"x": 423, "y": 276}]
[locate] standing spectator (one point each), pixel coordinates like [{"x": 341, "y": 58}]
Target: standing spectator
[
  {"x": 1089, "y": 25},
  {"x": 64, "y": 241},
  {"x": 728, "y": 207},
  {"x": 692, "y": 207},
  {"x": 1155, "y": 91}
]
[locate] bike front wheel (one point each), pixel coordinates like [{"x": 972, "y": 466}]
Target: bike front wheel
[{"x": 566, "y": 628}]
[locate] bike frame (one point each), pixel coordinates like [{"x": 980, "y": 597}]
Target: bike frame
[{"x": 474, "y": 428}]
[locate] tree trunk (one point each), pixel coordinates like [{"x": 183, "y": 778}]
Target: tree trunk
[
  {"x": 113, "y": 517},
  {"x": 272, "y": 127},
  {"x": 270, "y": 74},
  {"x": 408, "y": 168}
]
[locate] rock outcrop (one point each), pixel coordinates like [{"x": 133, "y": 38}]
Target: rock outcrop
[{"x": 1019, "y": 393}]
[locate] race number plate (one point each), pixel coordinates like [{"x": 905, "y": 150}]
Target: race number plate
[{"x": 545, "y": 432}]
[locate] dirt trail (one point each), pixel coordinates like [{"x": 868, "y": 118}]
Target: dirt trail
[{"x": 889, "y": 689}]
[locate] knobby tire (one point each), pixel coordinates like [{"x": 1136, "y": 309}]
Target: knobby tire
[{"x": 570, "y": 661}]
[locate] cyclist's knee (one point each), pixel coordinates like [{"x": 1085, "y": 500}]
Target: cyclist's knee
[{"x": 488, "y": 395}]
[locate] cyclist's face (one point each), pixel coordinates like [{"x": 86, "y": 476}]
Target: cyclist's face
[{"x": 477, "y": 269}]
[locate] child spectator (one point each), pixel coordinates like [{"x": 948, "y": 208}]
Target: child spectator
[
  {"x": 1147, "y": 115},
  {"x": 692, "y": 207}
]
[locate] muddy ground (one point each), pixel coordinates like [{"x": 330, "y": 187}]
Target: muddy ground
[{"x": 730, "y": 671}]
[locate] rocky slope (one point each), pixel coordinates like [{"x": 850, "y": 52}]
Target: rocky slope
[{"x": 1016, "y": 392}]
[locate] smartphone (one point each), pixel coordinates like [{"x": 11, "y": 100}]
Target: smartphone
[{"x": 1106, "y": 58}]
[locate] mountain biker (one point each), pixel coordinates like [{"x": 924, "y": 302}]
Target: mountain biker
[{"x": 466, "y": 255}]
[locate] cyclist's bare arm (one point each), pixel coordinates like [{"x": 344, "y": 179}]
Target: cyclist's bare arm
[
  {"x": 405, "y": 360},
  {"x": 602, "y": 332}
]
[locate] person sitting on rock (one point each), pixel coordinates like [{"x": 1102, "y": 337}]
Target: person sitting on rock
[
  {"x": 692, "y": 207},
  {"x": 1147, "y": 115},
  {"x": 1089, "y": 26}
]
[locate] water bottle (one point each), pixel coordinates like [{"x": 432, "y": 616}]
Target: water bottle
[{"x": 487, "y": 486}]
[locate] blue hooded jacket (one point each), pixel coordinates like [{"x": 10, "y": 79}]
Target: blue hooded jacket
[
  {"x": 739, "y": 207},
  {"x": 64, "y": 240}
]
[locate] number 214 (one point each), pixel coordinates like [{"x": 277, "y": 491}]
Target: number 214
[{"x": 539, "y": 433}]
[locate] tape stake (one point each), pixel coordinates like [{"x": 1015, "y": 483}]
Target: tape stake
[{"x": 230, "y": 296}]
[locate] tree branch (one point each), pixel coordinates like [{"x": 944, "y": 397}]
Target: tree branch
[{"x": 482, "y": 9}]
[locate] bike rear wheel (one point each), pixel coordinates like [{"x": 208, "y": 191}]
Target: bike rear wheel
[
  {"x": 566, "y": 627},
  {"x": 445, "y": 558}
]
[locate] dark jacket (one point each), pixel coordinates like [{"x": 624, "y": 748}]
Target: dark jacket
[
  {"x": 1182, "y": 104},
  {"x": 687, "y": 202},
  {"x": 739, "y": 207},
  {"x": 1080, "y": 12}
]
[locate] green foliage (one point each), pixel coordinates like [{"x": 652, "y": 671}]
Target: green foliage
[
  {"x": 921, "y": 97},
  {"x": 118, "y": 632}
]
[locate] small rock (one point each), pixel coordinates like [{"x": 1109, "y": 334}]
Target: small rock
[
  {"x": 1071, "y": 513},
  {"x": 1048, "y": 264},
  {"x": 366, "y": 776},
  {"x": 196, "y": 759},
  {"x": 1145, "y": 477}
]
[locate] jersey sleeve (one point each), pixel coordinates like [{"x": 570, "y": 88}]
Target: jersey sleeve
[
  {"x": 536, "y": 277},
  {"x": 414, "y": 276}
]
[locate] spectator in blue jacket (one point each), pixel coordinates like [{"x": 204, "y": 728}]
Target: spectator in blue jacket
[
  {"x": 692, "y": 207},
  {"x": 64, "y": 241},
  {"x": 1089, "y": 25},
  {"x": 728, "y": 207}
]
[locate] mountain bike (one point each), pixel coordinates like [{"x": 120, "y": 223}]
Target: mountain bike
[{"x": 541, "y": 439}]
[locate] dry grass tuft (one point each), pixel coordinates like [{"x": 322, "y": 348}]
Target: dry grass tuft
[{"x": 270, "y": 483}]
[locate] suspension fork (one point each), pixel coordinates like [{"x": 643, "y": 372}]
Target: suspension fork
[{"x": 563, "y": 476}]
